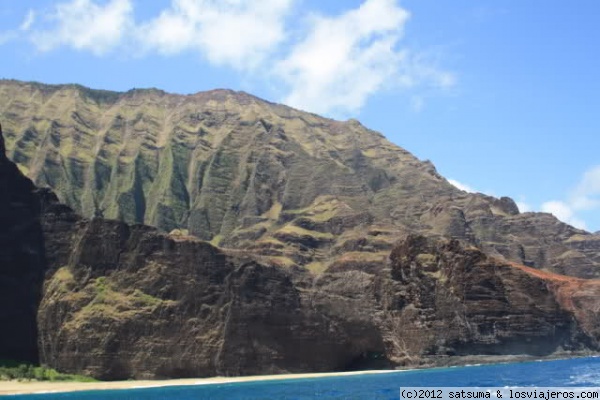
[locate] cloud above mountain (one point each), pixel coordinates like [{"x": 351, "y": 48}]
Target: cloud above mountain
[
  {"x": 331, "y": 64},
  {"x": 341, "y": 60},
  {"x": 584, "y": 198},
  {"x": 462, "y": 186},
  {"x": 85, "y": 25},
  {"x": 240, "y": 34}
]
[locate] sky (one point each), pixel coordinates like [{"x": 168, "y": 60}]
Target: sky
[{"x": 501, "y": 95}]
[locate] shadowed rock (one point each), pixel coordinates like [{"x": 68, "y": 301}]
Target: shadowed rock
[{"x": 22, "y": 263}]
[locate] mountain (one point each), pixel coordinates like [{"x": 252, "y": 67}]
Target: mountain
[
  {"x": 243, "y": 173},
  {"x": 119, "y": 301}
]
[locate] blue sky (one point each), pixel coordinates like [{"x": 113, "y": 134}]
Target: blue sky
[{"x": 501, "y": 95}]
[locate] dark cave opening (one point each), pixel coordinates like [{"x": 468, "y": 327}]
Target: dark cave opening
[{"x": 369, "y": 360}]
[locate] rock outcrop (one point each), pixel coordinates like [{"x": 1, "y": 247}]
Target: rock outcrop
[
  {"x": 252, "y": 175},
  {"x": 22, "y": 262},
  {"x": 132, "y": 302},
  {"x": 448, "y": 299},
  {"x": 126, "y": 302}
]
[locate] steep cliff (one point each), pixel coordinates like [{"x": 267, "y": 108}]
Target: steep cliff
[
  {"x": 248, "y": 174},
  {"x": 448, "y": 299},
  {"x": 135, "y": 303},
  {"x": 126, "y": 301},
  {"x": 123, "y": 301},
  {"x": 22, "y": 262}
]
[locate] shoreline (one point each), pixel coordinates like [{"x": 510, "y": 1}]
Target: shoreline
[
  {"x": 36, "y": 387},
  {"x": 9, "y": 388}
]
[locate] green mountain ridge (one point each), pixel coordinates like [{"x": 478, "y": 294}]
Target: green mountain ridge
[
  {"x": 243, "y": 173},
  {"x": 328, "y": 278}
]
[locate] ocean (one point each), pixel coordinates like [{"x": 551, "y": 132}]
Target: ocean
[{"x": 385, "y": 386}]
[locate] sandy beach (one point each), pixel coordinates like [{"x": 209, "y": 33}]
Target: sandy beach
[{"x": 14, "y": 387}]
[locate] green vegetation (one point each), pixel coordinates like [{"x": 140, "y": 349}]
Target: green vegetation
[
  {"x": 280, "y": 261},
  {"x": 317, "y": 267},
  {"x": 99, "y": 96},
  {"x": 426, "y": 260},
  {"x": 270, "y": 241},
  {"x": 438, "y": 275},
  {"x": 62, "y": 281},
  {"x": 274, "y": 212},
  {"x": 179, "y": 232},
  {"x": 234, "y": 170},
  {"x": 322, "y": 204},
  {"x": 23, "y": 168},
  {"x": 12, "y": 370},
  {"x": 215, "y": 241},
  {"x": 101, "y": 298},
  {"x": 108, "y": 297},
  {"x": 364, "y": 256},
  {"x": 577, "y": 238},
  {"x": 298, "y": 231}
]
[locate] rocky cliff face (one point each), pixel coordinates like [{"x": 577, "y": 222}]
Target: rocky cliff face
[
  {"x": 131, "y": 302},
  {"x": 247, "y": 174},
  {"x": 128, "y": 301},
  {"x": 123, "y": 301},
  {"x": 22, "y": 262},
  {"x": 445, "y": 298}
]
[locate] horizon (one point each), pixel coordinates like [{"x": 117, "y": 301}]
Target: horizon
[{"x": 499, "y": 97}]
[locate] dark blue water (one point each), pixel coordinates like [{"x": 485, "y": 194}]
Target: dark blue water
[{"x": 574, "y": 372}]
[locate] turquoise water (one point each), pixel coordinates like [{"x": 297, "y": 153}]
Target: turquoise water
[{"x": 574, "y": 372}]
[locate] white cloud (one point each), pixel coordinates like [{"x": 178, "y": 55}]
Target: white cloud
[
  {"x": 524, "y": 207},
  {"x": 14, "y": 34},
  {"x": 584, "y": 198},
  {"x": 238, "y": 33},
  {"x": 417, "y": 103},
  {"x": 328, "y": 65},
  {"x": 7, "y": 36},
  {"x": 28, "y": 21},
  {"x": 343, "y": 60},
  {"x": 564, "y": 212},
  {"x": 85, "y": 25},
  {"x": 421, "y": 69},
  {"x": 461, "y": 186},
  {"x": 586, "y": 195}
]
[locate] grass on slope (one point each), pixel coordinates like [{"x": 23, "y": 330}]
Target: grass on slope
[
  {"x": 109, "y": 302},
  {"x": 293, "y": 230},
  {"x": 101, "y": 298}
]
